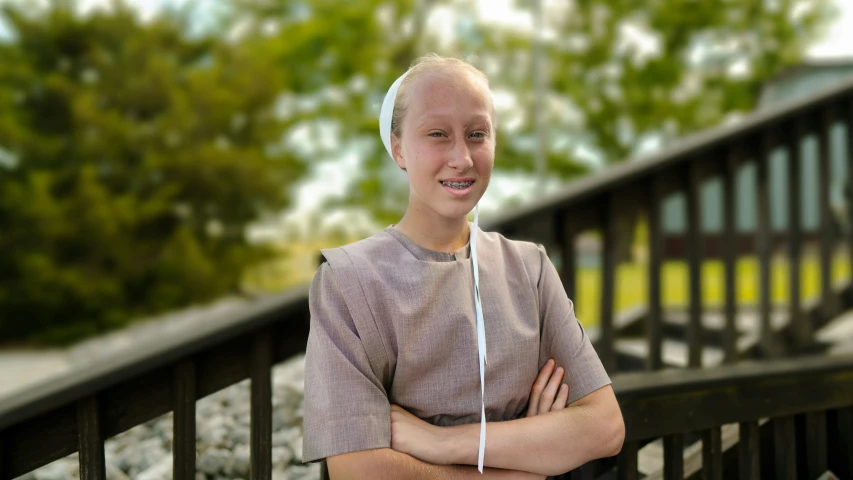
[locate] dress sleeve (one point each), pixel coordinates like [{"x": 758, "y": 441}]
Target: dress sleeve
[
  {"x": 346, "y": 407},
  {"x": 564, "y": 338}
]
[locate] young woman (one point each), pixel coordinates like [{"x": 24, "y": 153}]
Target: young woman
[{"x": 427, "y": 336}]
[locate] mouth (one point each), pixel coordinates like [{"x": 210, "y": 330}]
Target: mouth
[{"x": 458, "y": 186}]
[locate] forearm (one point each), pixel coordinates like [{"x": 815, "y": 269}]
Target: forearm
[
  {"x": 548, "y": 444},
  {"x": 384, "y": 463}
]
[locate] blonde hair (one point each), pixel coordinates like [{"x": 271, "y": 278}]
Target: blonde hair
[{"x": 431, "y": 62}]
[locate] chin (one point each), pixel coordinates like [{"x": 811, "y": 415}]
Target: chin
[{"x": 455, "y": 211}]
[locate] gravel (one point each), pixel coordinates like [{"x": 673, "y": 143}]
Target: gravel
[{"x": 222, "y": 431}]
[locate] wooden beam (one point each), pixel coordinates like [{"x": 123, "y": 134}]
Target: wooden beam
[
  {"x": 693, "y": 400},
  {"x": 762, "y": 243},
  {"x": 734, "y": 156},
  {"x": 843, "y": 446},
  {"x": 654, "y": 318},
  {"x": 673, "y": 457},
  {"x": 606, "y": 343},
  {"x": 816, "y": 447},
  {"x": 848, "y": 120},
  {"x": 785, "y": 448},
  {"x": 749, "y": 448},
  {"x": 584, "y": 472},
  {"x": 694, "y": 262},
  {"x": 827, "y": 118},
  {"x": 800, "y": 322},
  {"x": 183, "y": 421},
  {"x": 712, "y": 454},
  {"x": 566, "y": 235},
  {"x": 90, "y": 440},
  {"x": 260, "y": 444},
  {"x": 627, "y": 462}
]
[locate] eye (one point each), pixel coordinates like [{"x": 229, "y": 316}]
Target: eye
[
  {"x": 435, "y": 134},
  {"x": 478, "y": 134}
]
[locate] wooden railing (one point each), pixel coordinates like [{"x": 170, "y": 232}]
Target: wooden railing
[
  {"x": 793, "y": 419},
  {"x": 611, "y": 201},
  {"x": 80, "y": 410}
]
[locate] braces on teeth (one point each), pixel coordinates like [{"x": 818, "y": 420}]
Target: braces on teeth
[{"x": 457, "y": 184}]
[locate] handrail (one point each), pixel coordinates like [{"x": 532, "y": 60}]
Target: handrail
[
  {"x": 685, "y": 149},
  {"x": 673, "y": 403},
  {"x": 87, "y": 379},
  {"x": 78, "y": 411}
]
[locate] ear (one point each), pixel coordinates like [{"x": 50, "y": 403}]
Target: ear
[{"x": 397, "y": 151}]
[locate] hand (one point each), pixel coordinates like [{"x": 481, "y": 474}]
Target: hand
[
  {"x": 546, "y": 394},
  {"x": 415, "y": 437}
]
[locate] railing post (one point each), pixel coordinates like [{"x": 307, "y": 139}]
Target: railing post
[
  {"x": 90, "y": 440},
  {"x": 260, "y": 444},
  {"x": 608, "y": 274},
  {"x": 762, "y": 244},
  {"x": 799, "y": 322},
  {"x": 816, "y": 443},
  {"x": 733, "y": 158},
  {"x": 712, "y": 454},
  {"x": 654, "y": 319},
  {"x": 584, "y": 472},
  {"x": 568, "y": 268},
  {"x": 826, "y": 234},
  {"x": 785, "y": 446},
  {"x": 848, "y": 120},
  {"x": 183, "y": 421},
  {"x": 749, "y": 448},
  {"x": 844, "y": 444},
  {"x": 2, "y": 456},
  {"x": 673, "y": 457},
  {"x": 694, "y": 261},
  {"x": 626, "y": 468}
]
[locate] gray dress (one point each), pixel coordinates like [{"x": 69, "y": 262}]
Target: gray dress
[{"x": 393, "y": 322}]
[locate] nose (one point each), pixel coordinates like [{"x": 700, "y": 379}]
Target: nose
[{"x": 460, "y": 157}]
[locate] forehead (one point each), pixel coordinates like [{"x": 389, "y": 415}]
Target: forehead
[{"x": 449, "y": 93}]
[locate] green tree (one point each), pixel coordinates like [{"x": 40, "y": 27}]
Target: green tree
[
  {"x": 132, "y": 158},
  {"x": 622, "y": 75},
  {"x": 605, "y": 99}
]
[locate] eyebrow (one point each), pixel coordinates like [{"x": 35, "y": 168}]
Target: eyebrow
[{"x": 475, "y": 118}]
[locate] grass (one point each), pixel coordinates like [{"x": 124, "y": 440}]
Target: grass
[{"x": 632, "y": 283}]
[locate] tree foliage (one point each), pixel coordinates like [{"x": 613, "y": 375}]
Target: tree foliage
[
  {"x": 621, "y": 77},
  {"x": 136, "y": 156}
]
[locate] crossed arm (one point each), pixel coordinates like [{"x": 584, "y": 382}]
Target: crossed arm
[{"x": 550, "y": 440}]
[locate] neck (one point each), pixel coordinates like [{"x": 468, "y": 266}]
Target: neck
[{"x": 433, "y": 231}]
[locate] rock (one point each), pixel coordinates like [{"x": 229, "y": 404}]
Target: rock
[
  {"x": 137, "y": 458},
  {"x": 281, "y": 457},
  {"x": 215, "y": 461},
  {"x": 296, "y": 447},
  {"x": 223, "y": 437},
  {"x": 61, "y": 469},
  {"x": 115, "y": 473},
  {"x": 284, "y": 438},
  {"x": 162, "y": 470},
  {"x": 304, "y": 472},
  {"x": 242, "y": 460}
]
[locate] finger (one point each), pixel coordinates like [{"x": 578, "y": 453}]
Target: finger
[
  {"x": 550, "y": 392},
  {"x": 562, "y": 398},
  {"x": 538, "y": 387}
]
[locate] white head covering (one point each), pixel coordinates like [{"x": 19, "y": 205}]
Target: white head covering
[
  {"x": 387, "y": 112},
  {"x": 385, "y": 115}
]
